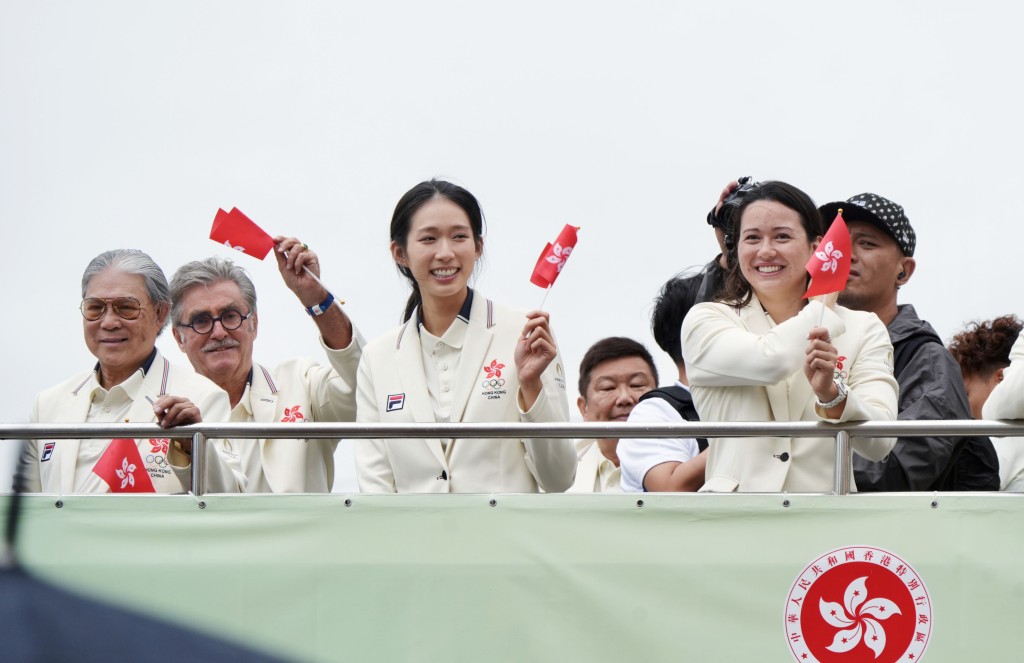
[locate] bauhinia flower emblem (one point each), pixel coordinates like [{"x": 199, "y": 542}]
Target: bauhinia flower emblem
[
  {"x": 292, "y": 414},
  {"x": 125, "y": 473},
  {"x": 494, "y": 369},
  {"x": 829, "y": 257},
  {"x": 858, "y": 618},
  {"x": 159, "y": 445},
  {"x": 558, "y": 256}
]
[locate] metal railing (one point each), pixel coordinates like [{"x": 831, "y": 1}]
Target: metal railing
[{"x": 842, "y": 433}]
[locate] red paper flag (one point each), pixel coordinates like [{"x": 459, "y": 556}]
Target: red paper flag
[
  {"x": 553, "y": 258},
  {"x": 236, "y": 230},
  {"x": 829, "y": 267},
  {"x": 122, "y": 468}
]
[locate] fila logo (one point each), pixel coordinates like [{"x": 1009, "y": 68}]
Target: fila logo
[
  {"x": 395, "y": 402},
  {"x": 47, "y": 451}
]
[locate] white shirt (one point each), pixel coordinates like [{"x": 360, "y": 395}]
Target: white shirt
[
  {"x": 595, "y": 473},
  {"x": 638, "y": 455},
  {"x": 440, "y": 366}
]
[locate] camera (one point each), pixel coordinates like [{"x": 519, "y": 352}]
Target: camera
[{"x": 723, "y": 219}]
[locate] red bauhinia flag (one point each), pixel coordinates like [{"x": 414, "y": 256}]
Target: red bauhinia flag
[
  {"x": 237, "y": 231},
  {"x": 829, "y": 267},
  {"x": 553, "y": 258},
  {"x": 122, "y": 468}
]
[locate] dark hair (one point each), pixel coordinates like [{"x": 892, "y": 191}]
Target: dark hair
[
  {"x": 736, "y": 289},
  {"x": 613, "y": 347},
  {"x": 985, "y": 346},
  {"x": 410, "y": 203},
  {"x": 673, "y": 302}
]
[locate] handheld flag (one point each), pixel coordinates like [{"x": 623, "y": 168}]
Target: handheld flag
[
  {"x": 553, "y": 258},
  {"x": 122, "y": 469},
  {"x": 829, "y": 266},
  {"x": 237, "y": 231}
]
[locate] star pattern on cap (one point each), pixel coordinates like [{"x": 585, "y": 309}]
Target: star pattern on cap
[{"x": 891, "y": 216}]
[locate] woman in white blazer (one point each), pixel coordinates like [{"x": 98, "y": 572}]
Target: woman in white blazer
[
  {"x": 458, "y": 358},
  {"x": 764, "y": 353}
]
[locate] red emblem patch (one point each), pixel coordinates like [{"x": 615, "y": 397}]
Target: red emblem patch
[
  {"x": 858, "y": 604},
  {"x": 493, "y": 370},
  {"x": 292, "y": 414}
]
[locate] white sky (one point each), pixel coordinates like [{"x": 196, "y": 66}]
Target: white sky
[{"x": 127, "y": 124}]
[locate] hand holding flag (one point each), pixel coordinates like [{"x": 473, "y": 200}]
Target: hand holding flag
[
  {"x": 829, "y": 265},
  {"x": 237, "y": 231}
]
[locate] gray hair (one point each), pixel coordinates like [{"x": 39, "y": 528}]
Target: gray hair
[
  {"x": 137, "y": 263},
  {"x": 207, "y": 272}
]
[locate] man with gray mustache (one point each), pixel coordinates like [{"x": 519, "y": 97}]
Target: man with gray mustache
[{"x": 215, "y": 319}]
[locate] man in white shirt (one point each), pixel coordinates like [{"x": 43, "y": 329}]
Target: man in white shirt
[
  {"x": 614, "y": 374},
  {"x": 215, "y": 319},
  {"x": 666, "y": 464}
]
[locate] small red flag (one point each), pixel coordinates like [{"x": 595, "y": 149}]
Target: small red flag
[
  {"x": 553, "y": 258},
  {"x": 122, "y": 468},
  {"x": 829, "y": 267},
  {"x": 237, "y": 231}
]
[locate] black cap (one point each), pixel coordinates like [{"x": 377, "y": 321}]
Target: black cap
[{"x": 879, "y": 211}]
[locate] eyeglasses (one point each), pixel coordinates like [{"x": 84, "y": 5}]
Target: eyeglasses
[
  {"x": 230, "y": 319},
  {"x": 94, "y": 308}
]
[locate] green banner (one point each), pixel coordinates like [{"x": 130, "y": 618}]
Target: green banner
[{"x": 554, "y": 577}]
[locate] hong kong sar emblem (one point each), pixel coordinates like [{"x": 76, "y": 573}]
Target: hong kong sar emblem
[{"x": 858, "y": 605}]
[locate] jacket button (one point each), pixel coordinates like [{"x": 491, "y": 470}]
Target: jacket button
[{"x": 784, "y": 456}]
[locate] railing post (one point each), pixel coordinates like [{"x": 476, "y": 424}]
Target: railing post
[
  {"x": 844, "y": 464},
  {"x": 199, "y": 464}
]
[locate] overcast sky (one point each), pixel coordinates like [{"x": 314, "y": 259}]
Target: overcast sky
[{"x": 127, "y": 124}]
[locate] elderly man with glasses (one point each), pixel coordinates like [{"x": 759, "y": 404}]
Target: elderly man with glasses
[
  {"x": 214, "y": 312},
  {"x": 125, "y": 304}
]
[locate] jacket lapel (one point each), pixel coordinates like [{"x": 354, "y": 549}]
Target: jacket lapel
[
  {"x": 757, "y": 321},
  {"x": 474, "y": 354},
  {"x": 79, "y": 411},
  {"x": 283, "y": 461},
  {"x": 263, "y": 397},
  {"x": 413, "y": 377}
]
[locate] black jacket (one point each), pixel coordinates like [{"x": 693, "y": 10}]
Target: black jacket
[{"x": 931, "y": 387}]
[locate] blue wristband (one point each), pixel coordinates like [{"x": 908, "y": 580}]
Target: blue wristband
[{"x": 321, "y": 308}]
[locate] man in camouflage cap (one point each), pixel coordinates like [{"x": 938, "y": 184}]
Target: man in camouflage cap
[{"x": 931, "y": 386}]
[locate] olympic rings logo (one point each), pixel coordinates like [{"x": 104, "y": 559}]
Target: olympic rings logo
[
  {"x": 159, "y": 461},
  {"x": 493, "y": 384}
]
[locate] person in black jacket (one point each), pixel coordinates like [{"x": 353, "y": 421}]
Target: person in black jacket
[{"x": 931, "y": 387}]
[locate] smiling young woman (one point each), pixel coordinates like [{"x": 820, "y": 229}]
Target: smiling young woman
[
  {"x": 764, "y": 353},
  {"x": 458, "y": 357}
]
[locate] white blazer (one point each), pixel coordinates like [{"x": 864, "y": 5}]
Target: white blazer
[
  {"x": 298, "y": 390},
  {"x": 391, "y": 372},
  {"x": 1007, "y": 402},
  {"x": 742, "y": 367},
  {"x": 49, "y": 469}
]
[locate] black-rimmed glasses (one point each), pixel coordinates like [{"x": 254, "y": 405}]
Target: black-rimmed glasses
[
  {"x": 230, "y": 319},
  {"x": 94, "y": 308}
]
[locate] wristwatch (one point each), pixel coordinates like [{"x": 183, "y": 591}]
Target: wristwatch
[{"x": 840, "y": 397}]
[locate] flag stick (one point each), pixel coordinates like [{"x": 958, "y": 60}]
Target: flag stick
[
  {"x": 546, "y": 291},
  {"x": 337, "y": 301}
]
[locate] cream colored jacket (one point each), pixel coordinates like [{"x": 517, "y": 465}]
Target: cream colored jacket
[{"x": 743, "y": 367}]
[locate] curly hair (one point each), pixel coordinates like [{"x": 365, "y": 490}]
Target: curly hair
[{"x": 984, "y": 347}]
